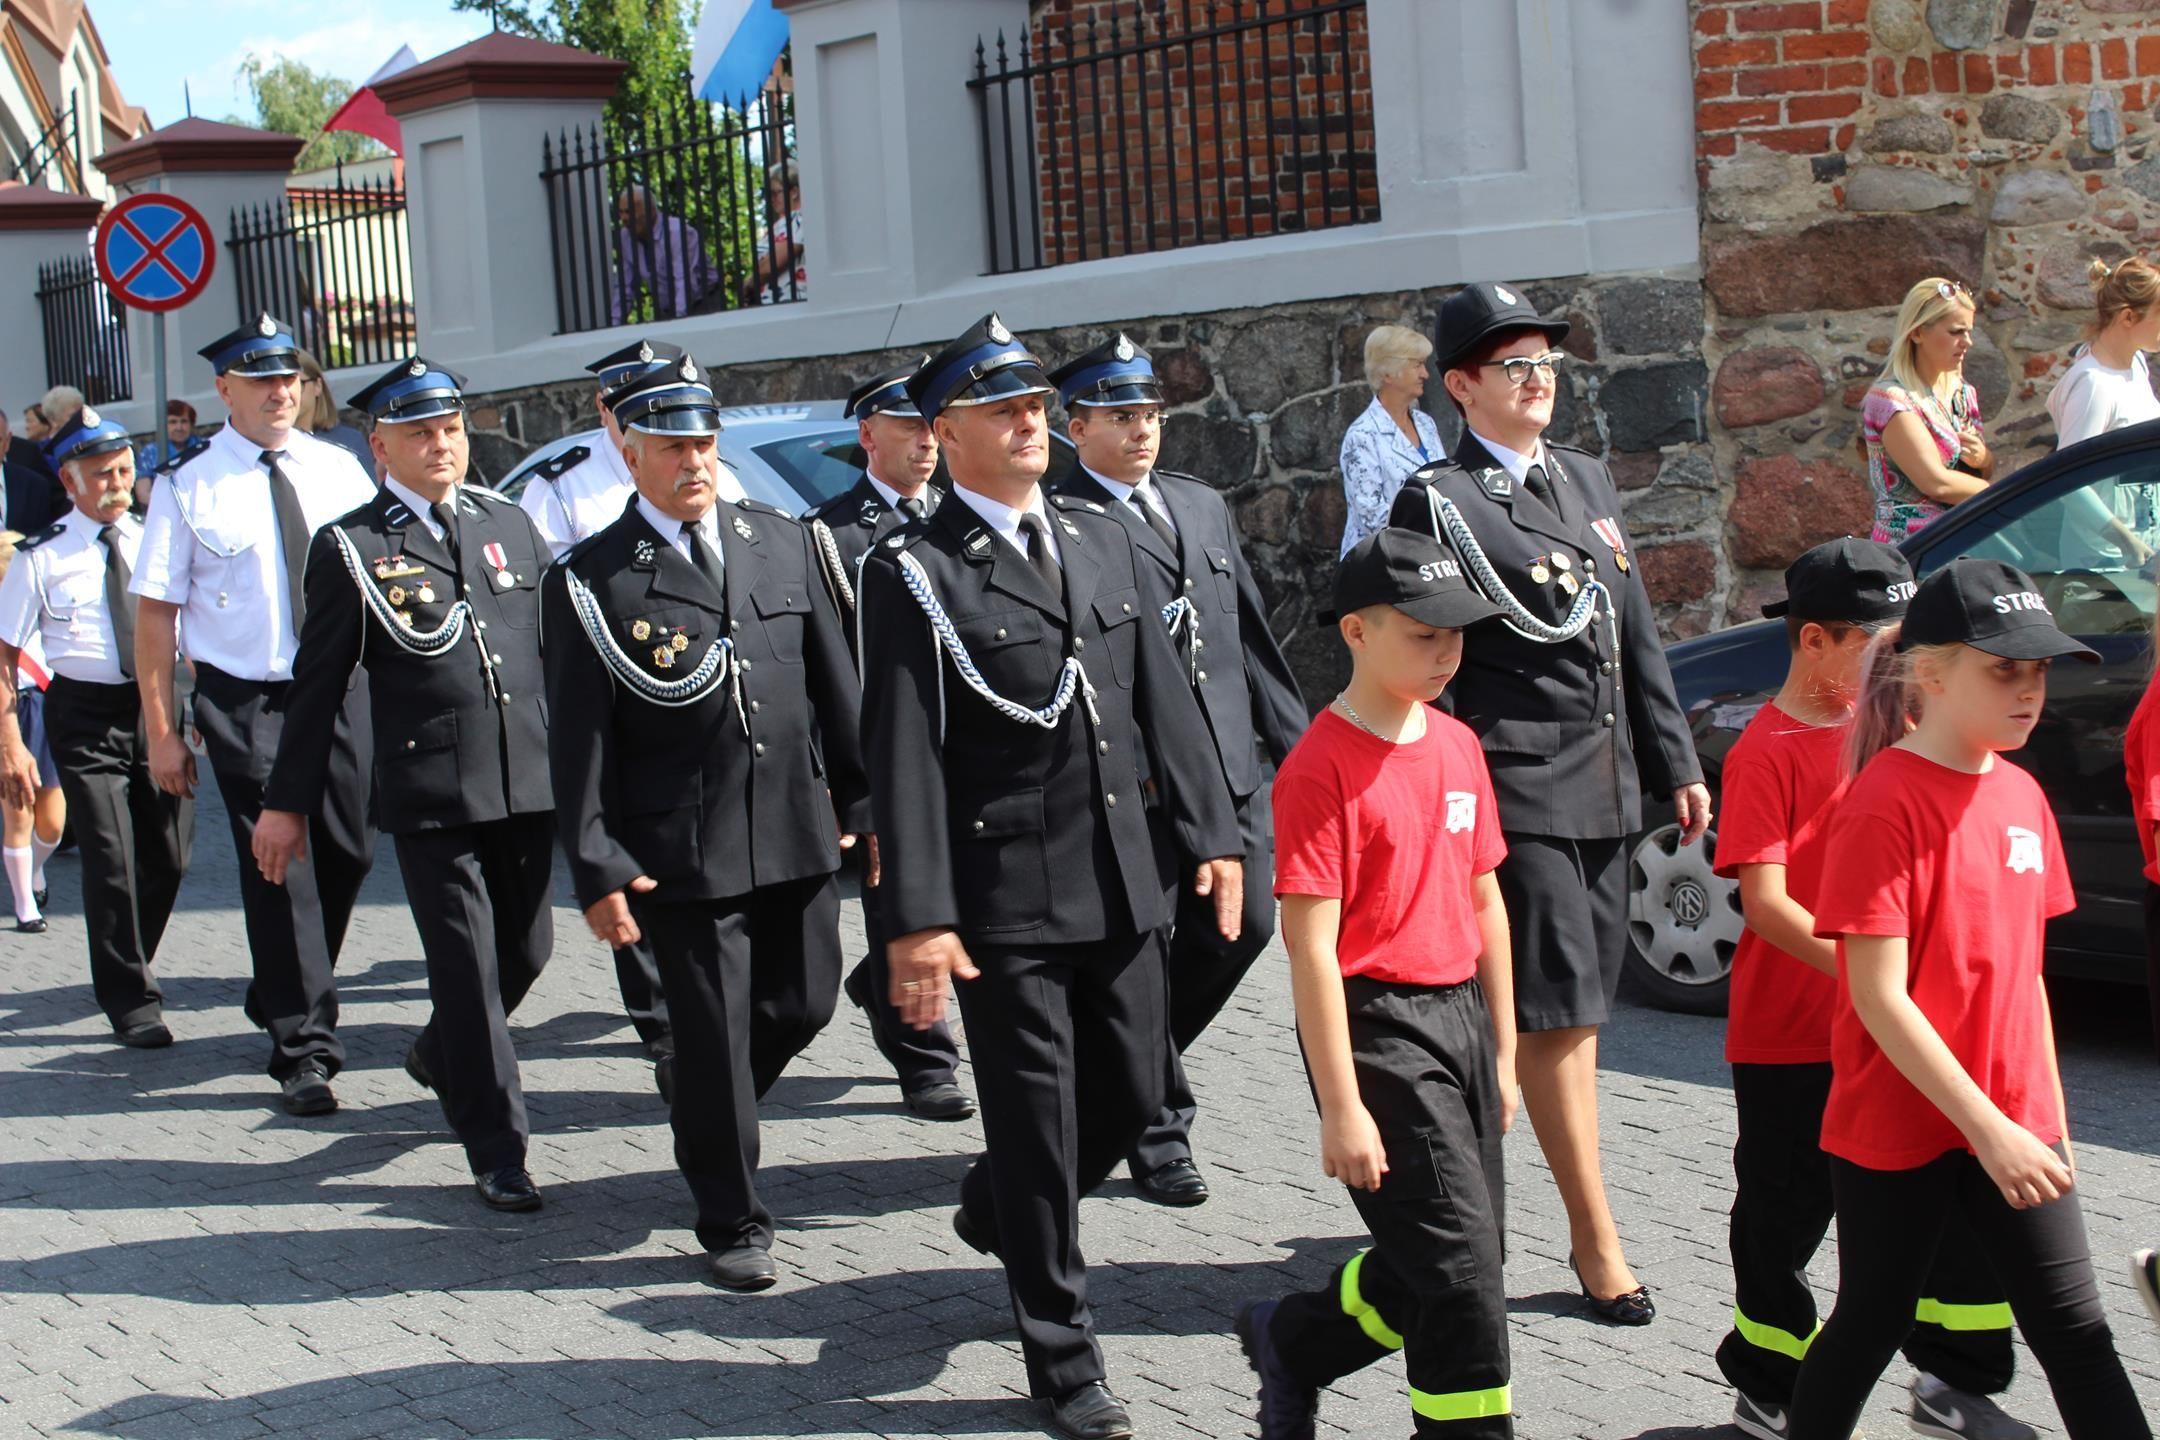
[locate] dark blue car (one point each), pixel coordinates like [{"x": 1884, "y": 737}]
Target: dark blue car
[{"x": 2075, "y": 521}]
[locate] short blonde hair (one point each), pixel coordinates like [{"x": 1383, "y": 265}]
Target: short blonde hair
[
  {"x": 60, "y": 402},
  {"x": 1390, "y": 350}
]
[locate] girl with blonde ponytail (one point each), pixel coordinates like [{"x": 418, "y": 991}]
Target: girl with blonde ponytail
[
  {"x": 1920, "y": 423},
  {"x": 2108, "y": 386}
]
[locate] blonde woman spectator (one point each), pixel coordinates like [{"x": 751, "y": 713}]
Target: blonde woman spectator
[
  {"x": 319, "y": 415},
  {"x": 1920, "y": 423},
  {"x": 1393, "y": 438},
  {"x": 2107, "y": 387}
]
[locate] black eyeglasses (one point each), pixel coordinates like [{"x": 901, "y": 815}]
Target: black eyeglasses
[{"x": 1518, "y": 367}]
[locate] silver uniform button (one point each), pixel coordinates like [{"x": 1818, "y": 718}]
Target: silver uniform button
[
  {"x": 734, "y": 625},
  {"x": 1102, "y": 747},
  {"x": 221, "y": 599},
  {"x": 1109, "y": 799},
  {"x": 759, "y": 748},
  {"x": 1000, "y": 633},
  {"x": 1188, "y": 582},
  {"x": 1203, "y": 676},
  {"x": 1127, "y": 608},
  {"x": 412, "y": 744},
  {"x": 1079, "y": 644},
  {"x": 1605, "y": 668},
  {"x": 978, "y": 827},
  {"x": 482, "y": 624},
  {"x": 746, "y": 664},
  {"x": 1607, "y": 720},
  {"x": 755, "y": 707}
]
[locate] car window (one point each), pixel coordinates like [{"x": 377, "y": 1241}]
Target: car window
[
  {"x": 819, "y": 465},
  {"x": 2087, "y": 545}
]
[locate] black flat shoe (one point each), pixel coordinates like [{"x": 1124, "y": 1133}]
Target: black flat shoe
[
  {"x": 307, "y": 1090},
  {"x": 743, "y": 1268},
  {"x": 1633, "y": 1308},
  {"x": 509, "y": 1188},
  {"x": 1090, "y": 1413},
  {"x": 972, "y": 1235},
  {"x": 663, "y": 1074},
  {"x": 857, "y": 988},
  {"x": 940, "y": 1101},
  {"x": 417, "y": 1068},
  {"x": 1177, "y": 1183},
  {"x": 30, "y": 927},
  {"x": 148, "y": 1035}
]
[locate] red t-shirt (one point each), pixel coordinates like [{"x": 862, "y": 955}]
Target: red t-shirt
[
  {"x": 1967, "y": 868},
  {"x": 2141, "y": 761},
  {"x": 1395, "y": 832},
  {"x": 1781, "y": 779}
]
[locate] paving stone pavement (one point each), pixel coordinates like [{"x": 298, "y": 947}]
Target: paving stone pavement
[{"x": 180, "y": 1259}]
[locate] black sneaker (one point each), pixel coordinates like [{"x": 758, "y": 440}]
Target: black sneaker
[
  {"x": 1765, "y": 1422},
  {"x": 307, "y": 1090},
  {"x": 1287, "y": 1406}
]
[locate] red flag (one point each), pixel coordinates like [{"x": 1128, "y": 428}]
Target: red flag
[{"x": 363, "y": 114}]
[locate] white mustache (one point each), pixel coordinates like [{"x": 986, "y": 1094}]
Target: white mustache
[{"x": 684, "y": 482}]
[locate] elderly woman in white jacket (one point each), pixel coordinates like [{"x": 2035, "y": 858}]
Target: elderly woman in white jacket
[{"x": 1393, "y": 438}]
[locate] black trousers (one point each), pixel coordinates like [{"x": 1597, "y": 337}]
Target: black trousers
[
  {"x": 1430, "y": 1286},
  {"x": 480, "y": 897},
  {"x": 644, "y": 1000},
  {"x": 750, "y": 979},
  {"x": 134, "y": 838},
  {"x": 919, "y": 1058},
  {"x": 296, "y": 929},
  {"x": 1205, "y": 970},
  {"x": 1073, "y": 1036},
  {"x": 1782, "y": 1207},
  {"x": 1890, "y": 1224}
]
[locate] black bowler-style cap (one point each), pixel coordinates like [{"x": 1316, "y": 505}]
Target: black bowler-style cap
[
  {"x": 985, "y": 365},
  {"x": 1412, "y": 572},
  {"x": 414, "y": 389},
  {"x": 666, "y": 400},
  {"x": 1993, "y": 607},
  {"x": 885, "y": 394},
  {"x": 633, "y": 360},
  {"x": 262, "y": 347},
  {"x": 1116, "y": 372},
  {"x": 1846, "y": 581},
  {"x": 1476, "y": 311}
]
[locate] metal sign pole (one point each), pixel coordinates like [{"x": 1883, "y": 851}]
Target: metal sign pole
[{"x": 162, "y": 444}]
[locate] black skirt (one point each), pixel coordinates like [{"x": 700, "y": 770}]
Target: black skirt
[{"x": 1567, "y": 919}]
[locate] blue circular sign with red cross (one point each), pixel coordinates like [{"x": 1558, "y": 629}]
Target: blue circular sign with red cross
[{"x": 155, "y": 252}]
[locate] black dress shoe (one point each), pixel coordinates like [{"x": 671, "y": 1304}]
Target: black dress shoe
[
  {"x": 417, "y": 1068},
  {"x": 252, "y": 1010},
  {"x": 857, "y": 989},
  {"x": 33, "y": 926},
  {"x": 972, "y": 1235},
  {"x": 663, "y": 1074},
  {"x": 1633, "y": 1308},
  {"x": 146, "y": 1035},
  {"x": 1090, "y": 1413},
  {"x": 509, "y": 1188},
  {"x": 942, "y": 1100},
  {"x": 744, "y": 1268},
  {"x": 1177, "y": 1183},
  {"x": 307, "y": 1090}
]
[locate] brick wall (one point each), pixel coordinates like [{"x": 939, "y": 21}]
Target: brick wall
[{"x": 1198, "y": 137}]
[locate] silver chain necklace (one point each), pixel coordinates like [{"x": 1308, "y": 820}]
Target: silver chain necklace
[{"x": 1342, "y": 701}]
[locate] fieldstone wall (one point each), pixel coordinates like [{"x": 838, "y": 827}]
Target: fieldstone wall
[
  {"x": 1850, "y": 147},
  {"x": 1259, "y": 400}
]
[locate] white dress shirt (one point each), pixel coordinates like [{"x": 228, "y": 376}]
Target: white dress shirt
[
  {"x": 210, "y": 546},
  {"x": 1519, "y": 465},
  {"x": 671, "y": 530},
  {"x": 1006, "y": 521},
  {"x": 1376, "y": 458},
  {"x": 592, "y": 494},
  {"x": 1143, "y": 497},
  {"x": 54, "y": 593}
]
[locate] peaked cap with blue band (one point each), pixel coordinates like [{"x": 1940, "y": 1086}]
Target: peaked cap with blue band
[
  {"x": 84, "y": 434},
  {"x": 886, "y": 394},
  {"x": 666, "y": 400},
  {"x": 634, "y": 360},
  {"x": 1116, "y": 372},
  {"x": 415, "y": 389},
  {"x": 262, "y": 347},
  {"x": 984, "y": 365}
]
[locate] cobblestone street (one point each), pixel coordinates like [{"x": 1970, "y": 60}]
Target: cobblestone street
[{"x": 179, "y": 1258}]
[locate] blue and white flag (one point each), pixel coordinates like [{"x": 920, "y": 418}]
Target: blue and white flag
[{"x": 733, "y": 52}]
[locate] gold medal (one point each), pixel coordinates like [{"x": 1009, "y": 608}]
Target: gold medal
[
  {"x": 663, "y": 657},
  {"x": 1539, "y": 575},
  {"x": 679, "y": 642},
  {"x": 426, "y": 595},
  {"x": 1562, "y": 562},
  {"x": 1619, "y": 558},
  {"x": 397, "y": 594},
  {"x": 640, "y": 630},
  {"x": 1569, "y": 583},
  {"x": 404, "y": 618}
]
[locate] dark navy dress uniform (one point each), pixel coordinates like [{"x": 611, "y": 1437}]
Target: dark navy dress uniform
[
  {"x": 846, "y": 528},
  {"x": 1182, "y": 527},
  {"x": 447, "y": 628},
  {"x": 704, "y": 735},
  {"x": 1575, "y": 731},
  {"x": 1035, "y": 843}
]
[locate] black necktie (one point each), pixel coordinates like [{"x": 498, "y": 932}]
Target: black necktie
[
  {"x": 1039, "y": 556},
  {"x": 119, "y": 605},
  {"x": 445, "y": 513},
  {"x": 1539, "y": 484},
  {"x": 701, "y": 555},
  {"x": 1155, "y": 521},
  {"x": 292, "y": 528},
  {"x": 913, "y": 507}
]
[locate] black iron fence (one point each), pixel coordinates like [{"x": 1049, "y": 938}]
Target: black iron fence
[
  {"x": 85, "y": 331},
  {"x": 684, "y": 213},
  {"x": 334, "y": 263},
  {"x": 1182, "y": 122}
]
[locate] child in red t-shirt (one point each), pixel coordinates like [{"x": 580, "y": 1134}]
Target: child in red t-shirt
[
  {"x": 1943, "y": 868},
  {"x": 2141, "y": 765},
  {"x": 1386, "y": 839},
  {"x": 1781, "y": 781}
]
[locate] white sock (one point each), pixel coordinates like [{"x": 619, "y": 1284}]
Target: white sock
[
  {"x": 41, "y": 850},
  {"x": 19, "y": 865}
]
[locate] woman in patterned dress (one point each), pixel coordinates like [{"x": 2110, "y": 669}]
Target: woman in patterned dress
[{"x": 1920, "y": 423}]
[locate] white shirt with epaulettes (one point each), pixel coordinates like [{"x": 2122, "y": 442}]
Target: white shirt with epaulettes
[{"x": 54, "y": 596}]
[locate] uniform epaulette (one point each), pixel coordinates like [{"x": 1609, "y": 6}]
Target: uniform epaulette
[
  {"x": 1432, "y": 470},
  {"x": 759, "y": 507},
  {"x": 1075, "y": 502},
  {"x": 1181, "y": 475},
  {"x": 577, "y": 551},
  {"x": 1576, "y": 450},
  {"x": 471, "y": 489},
  {"x": 906, "y": 535},
  {"x": 555, "y": 466},
  {"x": 31, "y": 542}
]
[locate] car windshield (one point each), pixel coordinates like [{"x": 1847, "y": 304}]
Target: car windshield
[{"x": 817, "y": 466}]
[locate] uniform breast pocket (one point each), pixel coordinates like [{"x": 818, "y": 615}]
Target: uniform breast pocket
[
  {"x": 1000, "y": 861},
  {"x": 784, "y": 610},
  {"x": 520, "y": 599},
  {"x": 1119, "y": 613},
  {"x": 1007, "y": 648},
  {"x": 420, "y": 760},
  {"x": 662, "y": 826},
  {"x": 663, "y": 642},
  {"x": 1225, "y": 573},
  {"x": 66, "y": 596}
]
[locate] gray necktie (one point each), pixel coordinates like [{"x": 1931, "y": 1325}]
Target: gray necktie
[
  {"x": 292, "y": 528},
  {"x": 119, "y": 605},
  {"x": 1155, "y": 520}
]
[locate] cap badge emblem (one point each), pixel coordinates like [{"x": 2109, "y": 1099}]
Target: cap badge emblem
[
  {"x": 1507, "y": 296},
  {"x": 997, "y": 331},
  {"x": 1124, "y": 348},
  {"x": 896, "y": 542},
  {"x": 642, "y": 555},
  {"x": 689, "y": 368},
  {"x": 417, "y": 368},
  {"x": 265, "y": 326},
  {"x": 644, "y": 350},
  {"x": 743, "y": 529},
  {"x": 640, "y": 630},
  {"x": 90, "y": 420}
]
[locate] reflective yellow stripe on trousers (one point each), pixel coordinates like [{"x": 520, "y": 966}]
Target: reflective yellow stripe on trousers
[
  {"x": 1355, "y": 1305},
  {"x": 1963, "y": 1317},
  {"x": 1769, "y": 1337},
  {"x": 1463, "y": 1404}
]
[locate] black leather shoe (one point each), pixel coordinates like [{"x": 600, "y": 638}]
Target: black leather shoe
[
  {"x": 417, "y": 1068},
  {"x": 1287, "y": 1407},
  {"x": 1177, "y": 1183},
  {"x": 509, "y": 1188},
  {"x": 307, "y": 1090},
  {"x": 147, "y": 1035},
  {"x": 1633, "y": 1308},
  {"x": 30, "y": 927},
  {"x": 744, "y": 1268},
  {"x": 972, "y": 1235},
  {"x": 663, "y": 1074},
  {"x": 857, "y": 989},
  {"x": 1090, "y": 1413},
  {"x": 253, "y": 1011},
  {"x": 940, "y": 1101}
]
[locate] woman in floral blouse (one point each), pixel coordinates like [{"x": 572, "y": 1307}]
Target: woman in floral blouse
[
  {"x": 1392, "y": 438},
  {"x": 1920, "y": 422}
]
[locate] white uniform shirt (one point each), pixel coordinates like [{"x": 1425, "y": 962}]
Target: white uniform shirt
[
  {"x": 54, "y": 593},
  {"x": 590, "y": 495},
  {"x": 1144, "y": 498},
  {"x": 1006, "y": 521},
  {"x": 210, "y": 546}
]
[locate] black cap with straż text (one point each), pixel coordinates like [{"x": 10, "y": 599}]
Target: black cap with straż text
[
  {"x": 1412, "y": 572},
  {"x": 1993, "y": 607},
  {"x": 1846, "y": 581}
]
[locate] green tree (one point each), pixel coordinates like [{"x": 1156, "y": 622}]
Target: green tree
[
  {"x": 294, "y": 100},
  {"x": 652, "y": 37}
]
